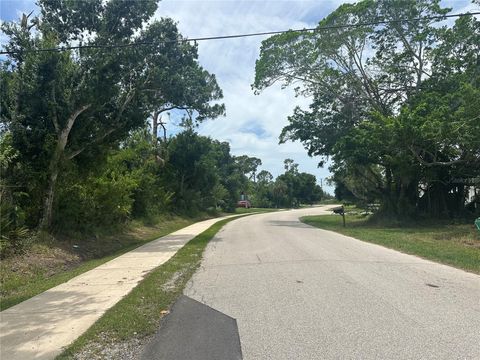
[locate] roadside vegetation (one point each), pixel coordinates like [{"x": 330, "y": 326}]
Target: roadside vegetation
[
  {"x": 88, "y": 167},
  {"x": 394, "y": 104},
  {"x": 394, "y": 109},
  {"x": 447, "y": 242},
  {"x": 139, "y": 313}
]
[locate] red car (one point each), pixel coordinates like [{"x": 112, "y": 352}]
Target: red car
[{"x": 244, "y": 203}]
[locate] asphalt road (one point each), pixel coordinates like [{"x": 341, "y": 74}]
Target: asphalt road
[{"x": 298, "y": 292}]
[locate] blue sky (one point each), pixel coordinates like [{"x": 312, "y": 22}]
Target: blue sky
[{"x": 253, "y": 122}]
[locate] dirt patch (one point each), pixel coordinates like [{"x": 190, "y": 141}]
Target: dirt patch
[
  {"x": 41, "y": 258},
  {"x": 110, "y": 349},
  {"x": 172, "y": 283}
]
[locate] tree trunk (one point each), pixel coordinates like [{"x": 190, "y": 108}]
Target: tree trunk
[
  {"x": 162, "y": 124},
  {"x": 389, "y": 205},
  {"x": 53, "y": 168},
  {"x": 155, "y": 127},
  {"x": 461, "y": 195}
]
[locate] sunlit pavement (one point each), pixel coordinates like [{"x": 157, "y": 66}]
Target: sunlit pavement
[{"x": 298, "y": 292}]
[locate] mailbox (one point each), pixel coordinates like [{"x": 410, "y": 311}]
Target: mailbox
[
  {"x": 341, "y": 211},
  {"x": 338, "y": 210}
]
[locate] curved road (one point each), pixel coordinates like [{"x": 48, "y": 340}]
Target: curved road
[{"x": 298, "y": 292}]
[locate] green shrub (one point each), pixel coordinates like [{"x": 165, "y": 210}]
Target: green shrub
[
  {"x": 127, "y": 184},
  {"x": 14, "y": 235},
  {"x": 94, "y": 202}
]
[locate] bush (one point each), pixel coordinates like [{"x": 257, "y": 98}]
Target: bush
[
  {"x": 14, "y": 236},
  {"x": 95, "y": 202},
  {"x": 127, "y": 184}
]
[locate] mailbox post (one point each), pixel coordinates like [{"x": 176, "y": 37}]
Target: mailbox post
[{"x": 341, "y": 211}]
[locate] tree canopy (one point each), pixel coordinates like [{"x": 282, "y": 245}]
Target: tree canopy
[
  {"x": 393, "y": 105},
  {"x": 72, "y": 105},
  {"x": 76, "y": 147}
]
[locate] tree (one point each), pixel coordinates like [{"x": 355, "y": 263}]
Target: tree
[
  {"x": 92, "y": 97},
  {"x": 248, "y": 165},
  {"x": 301, "y": 187},
  {"x": 366, "y": 83},
  {"x": 262, "y": 191},
  {"x": 202, "y": 173},
  {"x": 308, "y": 191},
  {"x": 264, "y": 177},
  {"x": 443, "y": 119},
  {"x": 290, "y": 166},
  {"x": 181, "y": 84},
  {"x": 279, "y": 193},
  {"x": 229, "y": 175}
]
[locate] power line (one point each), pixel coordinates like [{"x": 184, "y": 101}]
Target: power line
[{"x": 222, "y": 37}]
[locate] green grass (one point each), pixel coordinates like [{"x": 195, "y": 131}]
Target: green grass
[
  {"x": 452, "y": 244},
  {"x": 138, "y": 314},
  {"x": 49, "y": 263}
]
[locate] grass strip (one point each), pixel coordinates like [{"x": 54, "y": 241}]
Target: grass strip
[
  {"x": 138, "y": 314},
  {"x": 457, "y": 245}
]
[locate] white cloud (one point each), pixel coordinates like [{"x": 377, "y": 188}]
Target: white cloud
[
  {"x": 253, "y": 122},
  {"x": 233, "y": 62}
]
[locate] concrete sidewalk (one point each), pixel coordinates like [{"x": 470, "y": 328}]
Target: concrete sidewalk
[{"x": 40, "y": 327}]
